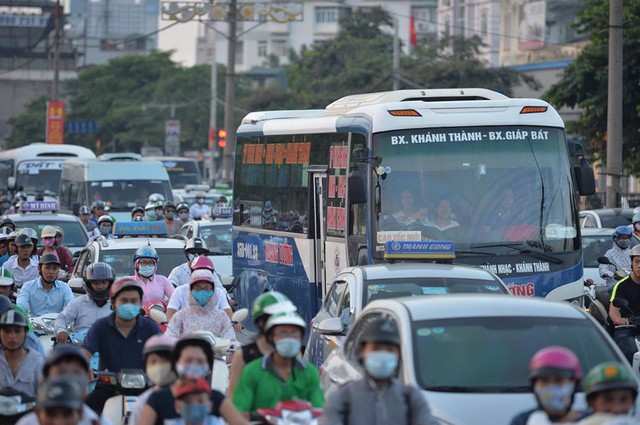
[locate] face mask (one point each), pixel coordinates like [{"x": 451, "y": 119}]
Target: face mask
[
  {"x": 288, "y": 347},
  {"x": 556, "y": 398},
  {"x": 147, "y": 271},
  {"x": 192, "y": 370},
  {"x": 159, "y": 215},
  {"x": 623, "y": 243},
  {"x": 381, "y": 364},
  {"x": 105, "y": 230},
  {"x": 169, "y": 215},
  {"x": 48, "y": 242},
  {"x": 151, "y": 214},
  {"x": 194, "y": 413},
  {"x": 183, "y": 216},
  {"x": 200, "y": 201},
  {"x": 127, "y": 311},
  {"x": 202, "y": 296},
  {"x": 160, "y": 373}
]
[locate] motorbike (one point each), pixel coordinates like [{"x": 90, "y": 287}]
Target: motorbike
[
  {"x": 13, "y": 405},
  {"x": 299, "y": 412},
  {"x": 156, "y": 310},
  {"x": 43, "y": 326},
  {"x": 634, "y": 324},
  {"x": 130, "y": 383}
]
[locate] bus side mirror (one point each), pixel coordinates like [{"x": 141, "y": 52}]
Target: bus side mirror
[
  {"x": 585, "y": 180},
  {"x": 75, "y": 208},
  {"x": 357, "y": 191},
  {"x": 11, "y": 183}
]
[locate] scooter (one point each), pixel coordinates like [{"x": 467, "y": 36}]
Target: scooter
[
  {"x": 298, "y": 412},
  {"x": 130, "y": 383},
  {"x": 13, "y": 405},
  {"x": 43, "y": 326},
  {"x": 634, "y": 324}
]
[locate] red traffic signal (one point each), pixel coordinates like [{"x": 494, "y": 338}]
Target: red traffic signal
[{"x": 222, "y": 138}]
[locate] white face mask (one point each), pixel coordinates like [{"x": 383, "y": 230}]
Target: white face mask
[{"x": 160, "y": 373}]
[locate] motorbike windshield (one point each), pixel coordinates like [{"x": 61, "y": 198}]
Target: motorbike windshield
[
  {"x": 126, "y": 194},
  {"x": 485, "y": 188},
  {"x": 39, "y": 176}
]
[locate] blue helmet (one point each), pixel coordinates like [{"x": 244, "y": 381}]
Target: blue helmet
[
  {"x": 146, "y": 251},
  {"x": 622, "y": 231}
]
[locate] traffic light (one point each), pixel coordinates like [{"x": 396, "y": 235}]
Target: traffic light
[{"x": 222, "y": 138}]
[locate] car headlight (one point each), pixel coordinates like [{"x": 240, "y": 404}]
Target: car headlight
[{"x": 133, "y": 380}]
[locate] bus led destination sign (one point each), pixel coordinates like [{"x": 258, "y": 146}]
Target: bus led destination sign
[{"x": 276, "y": 153}]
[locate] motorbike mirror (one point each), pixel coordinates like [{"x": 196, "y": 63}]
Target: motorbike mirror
[
  {"x": 621, "y": 303},
  {"x": 331, "y": 326},
  {"x": 158, "y": 315},
  {"x": 603, "y": 260},
  {"x": 240, "y": 315},
  {"x": 76, "y": 283}
]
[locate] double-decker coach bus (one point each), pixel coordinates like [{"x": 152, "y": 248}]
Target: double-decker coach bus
[{"x": 319, "y": 190}]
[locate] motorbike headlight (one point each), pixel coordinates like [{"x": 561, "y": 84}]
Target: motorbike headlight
[
  {"x": 133, "y": 380},
  {"x": 11, "y": 405}
]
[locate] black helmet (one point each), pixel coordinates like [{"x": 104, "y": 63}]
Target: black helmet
[
  {"x": 23, "y": 240},
  {"x": 182, "y": 206},
  {"x": 137, "y": 210},
  {"x": 381, "y": 330},
  {"x": 168, "y": 205},
  {"x": 98, "y": 271},
  {"x": 196, "y": 244},
  {"x": 194, "y": 339},
  {"x": 64, "y": 351},
  {"x": 7, "y": 222},
  {"x": 5, "y": 304},
  {"x": 49, "y": 259},
  {"x": 13, "y": 318},
  {"x": 97, "y": 204},
  {"x": 60, "y": 392}
]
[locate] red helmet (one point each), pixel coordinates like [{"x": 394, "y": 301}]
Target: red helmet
[
  {"x": 124, "y": 283},
  {"x": 202, "y": 262},
  {"x": 555, "y": 361}
]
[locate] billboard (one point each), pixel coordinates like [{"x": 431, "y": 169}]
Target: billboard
[
  {"x": 55, "y": 122},
  {"x": 531, "y": 25}
]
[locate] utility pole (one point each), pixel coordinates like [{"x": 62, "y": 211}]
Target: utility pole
[
  {"x": 213, "y": 104},
  {"x": 230, "y": 94},
  {"x": 614, "y": 109},
  {"x": 56, "y": 50},
  {"x": 396, "y": 55}
]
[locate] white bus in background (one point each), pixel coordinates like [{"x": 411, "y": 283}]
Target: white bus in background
[{"x": 36, "y": 168}]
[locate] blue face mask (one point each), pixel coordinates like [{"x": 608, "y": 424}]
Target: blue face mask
[
  {"x": 192, "y": 370},
  {"x": 105, "y": 230},
  {"x": 194, "y": 413},
  {"x": 151, "y": 214},
  {"x": 202, "y": 296},
  {"x": 556, "y": 398},
  {"x": 288, "y": 347},
  {"x": 381, "y": 364},
  {"x": 146, "y": 271},
  {"x": 127, "y": 311}
]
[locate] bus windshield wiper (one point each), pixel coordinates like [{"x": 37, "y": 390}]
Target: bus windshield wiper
[
  {"x": 492, "y": 254},
  {"x": 523, "y": 250}
]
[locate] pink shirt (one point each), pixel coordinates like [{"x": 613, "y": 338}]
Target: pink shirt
[{"x": 158, "y": 288}]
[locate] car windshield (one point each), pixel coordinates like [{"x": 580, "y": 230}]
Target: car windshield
[
  {"x": 394, "y": 288},
  {"x": 217, "y": 237},
  {"x": 38, "y": 176},
  {"x": 122, "y": 260},
  {"x": 614, "y": 220},
  {"x": 74, "y": 233},
  {"x": 126, "y": 194},
  {"x": 182, "y": 173},
  {"x": 594, "y": 246},
  {"x": 501, "y": 348}
]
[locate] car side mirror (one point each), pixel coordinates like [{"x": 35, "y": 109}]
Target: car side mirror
[{"x": 331, "y": 326}]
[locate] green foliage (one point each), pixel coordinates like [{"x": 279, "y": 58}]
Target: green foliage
[
  {"x": 30, "y": 126},
  {"x": 584, "y": 83}
]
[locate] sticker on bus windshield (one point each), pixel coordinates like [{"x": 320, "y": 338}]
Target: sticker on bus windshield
[
  {"x": 399, "y": 235},
  {"x": 558, "y": 231},
  {"x": 434, "y": 290}
]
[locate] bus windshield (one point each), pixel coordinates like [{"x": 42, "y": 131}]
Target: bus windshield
[
  {"x": 39, "y": 175},
  {"x": 489, "y": 189},
  {"x": 182, "y": 173},
  {"x": 126, "y": 194}
]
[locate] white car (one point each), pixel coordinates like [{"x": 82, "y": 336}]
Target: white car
[
  {"x": 75, "y": 235},
  {"x": 354, "y": 287},
  {"x": 217, "y": 235},
  {"x": 470, "y": 353},
  {"x": 595, "y": 243}
]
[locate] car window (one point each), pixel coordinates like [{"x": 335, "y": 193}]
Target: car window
[
  {"x": 74, "y": 232},
  {"x": 122, "y": 260},
  {"x": 596, "y": 246},
  {"x": 503, "y": 347},
  {"x": 352, "y": 342},
  {"x": 82, "y": 262},
  {"x": 590, "y": 222},
  {"x": 614, "y": 220},
  {"x": 344, "y": 309},
  {"x": 184, "y": 230},
  {"x": 332, "y": 303},
  {"x": 218, "y": 238}
]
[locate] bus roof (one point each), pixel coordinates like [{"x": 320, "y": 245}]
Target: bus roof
[
  {"x": 45, "y": 151},
  {"x": 94, "y": 170}
]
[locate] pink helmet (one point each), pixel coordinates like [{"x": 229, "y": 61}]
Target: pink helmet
[
  {"x": 202, "y": 262},
  {"x": 159, "y": 344},
  {"x": 555, "y": 361},
  {"x": 201, "y": 275}
]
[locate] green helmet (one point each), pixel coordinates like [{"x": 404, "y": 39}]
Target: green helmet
[
  {"x": 270, "y": 303},
  {"x": 6, "y": 278},
  {"x": 608, "y": 376}
]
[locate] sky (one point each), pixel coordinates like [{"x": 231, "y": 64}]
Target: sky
[{"x": 182, "y": 39}]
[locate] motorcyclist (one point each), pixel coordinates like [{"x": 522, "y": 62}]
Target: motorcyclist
[
  {"x": 32, "y": 342},
  {"x": 137, "y": 214},
  {"x": 119, "y": 338},
  {"x": 11, "y": 243},
  {"x": 59, "y": 403},
  {"x": 281, "y": 375},
  {"x": 155, "y": 207},
  {"x": 7, "y": 222},
  {"x": 555, "y": 374},
  {"x": 105, "y": 227},
  {"x": 611, "y": 392},
  {"x": 90, "y": 226},
  {"x": 199, "y": 209},
  {"x": 263, "y": 307},
  {"x": 22, "y": 265},
  {"x": 45, "y": 294},
  {"x": 4, "y": 246},
  {"x": 21, "y": 367},
  {"x": 618, "y": 255},
  {"x": 7, "y": 285},
  {"x": 202, "y": 312},
  {"x": 182, "y": 294},
  {"x": 182, "y": 209},
  {"x": 169, "y": 210},
  {"x": 97, "y": 211},
  {"x": 635, "y": 223},
  {"x": 627, "y": 288},
  {"x": 68, "y": 361},
  {"x": 156, "y": 287},
  {"x": 48, "y": 237},
  {"x": 378, "y": 394},
  {"x": 84, "y": 310},
  {"x": 157, "y": 359},
  {"x": 192, "y": 357}
]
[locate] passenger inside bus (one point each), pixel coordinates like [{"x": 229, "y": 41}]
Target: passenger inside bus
[{"x": 412, "y": 211}]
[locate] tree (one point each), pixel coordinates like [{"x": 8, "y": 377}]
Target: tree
[
  {"x": 30, "y": 126},
  {"x": 584, "y": 84}
]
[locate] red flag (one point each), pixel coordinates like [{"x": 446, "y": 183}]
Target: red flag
[{"x": 413, "y": 38}]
